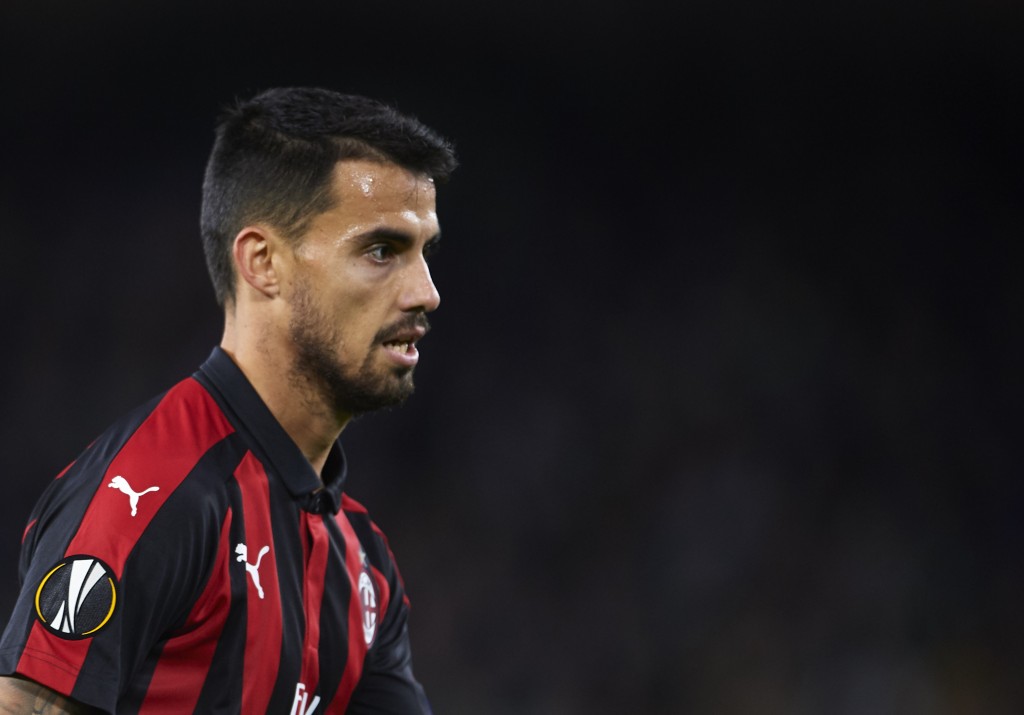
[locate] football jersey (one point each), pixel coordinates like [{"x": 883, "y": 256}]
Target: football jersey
[{"x": 191, "y": 560}]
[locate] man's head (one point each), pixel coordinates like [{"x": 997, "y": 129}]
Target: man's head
[
  {"x": 274, "y": 156},
  {"x": 318, "y": 216}
]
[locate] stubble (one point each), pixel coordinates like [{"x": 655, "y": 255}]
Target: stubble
[{"x": 320, "y": 375}]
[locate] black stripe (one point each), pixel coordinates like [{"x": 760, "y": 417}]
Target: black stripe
[
  {"x": 286, "y": 526},
  {"x": 222, "y": 691},
  {"x": 334, "y": 612}
]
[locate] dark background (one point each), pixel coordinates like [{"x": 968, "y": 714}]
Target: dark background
[{"x": 719, "y": 411}]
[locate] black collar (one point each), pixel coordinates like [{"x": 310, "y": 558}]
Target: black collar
[{"x": 235, "y": 394}]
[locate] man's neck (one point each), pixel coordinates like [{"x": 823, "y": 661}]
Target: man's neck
[{"x": 295, "y": 403}]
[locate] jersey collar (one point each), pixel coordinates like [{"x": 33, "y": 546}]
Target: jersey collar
[{"x": 228, "y": 385}]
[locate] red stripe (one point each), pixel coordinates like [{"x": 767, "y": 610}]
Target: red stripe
[
  {"x": 28, "y": 529},
  {"x": 263, "y": 627},
  {"x": 163, "y": 450},
  {"x": 65, "y": 470},
  {"x": 185, "y": 659},
  {"x": 394, "y": 564},
  {"x": 356, "y": 644},
  {"x": 313, "y": 593},
  {"x": 350, "y": 504}
]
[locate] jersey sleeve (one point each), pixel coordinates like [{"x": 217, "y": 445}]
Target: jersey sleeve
[
  {"x": 115, "y": 554},
  {"x": 387, "y": 684},
  {"x": 92, "y": 607}
]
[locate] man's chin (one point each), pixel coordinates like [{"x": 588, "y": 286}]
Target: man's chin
[{"x": 360, "y": 397}]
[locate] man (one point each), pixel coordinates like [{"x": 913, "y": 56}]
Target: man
[{"x": 200, "y": 555}]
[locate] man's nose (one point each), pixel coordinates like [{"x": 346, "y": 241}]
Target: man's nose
[{"x": 420, "y": 292}]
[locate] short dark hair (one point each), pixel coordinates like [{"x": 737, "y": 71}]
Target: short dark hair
[{"x": 274, "y": 156}]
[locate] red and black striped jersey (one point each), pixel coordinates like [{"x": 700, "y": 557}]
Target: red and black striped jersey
[{"x": 191, "y": 560}]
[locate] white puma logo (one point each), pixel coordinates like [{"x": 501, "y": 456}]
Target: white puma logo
[
  {"x": 121, "y": 484},
  {"x": 254, "y": 569}
]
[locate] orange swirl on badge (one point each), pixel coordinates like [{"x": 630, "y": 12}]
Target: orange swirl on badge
[
  {"x": 113, "y": 602},
  {"x": 39, "y": 611}
]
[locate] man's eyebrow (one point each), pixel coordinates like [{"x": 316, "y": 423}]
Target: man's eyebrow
[
  {"x": 385, "y": 234},
  {"x": 393, "y": 236}
]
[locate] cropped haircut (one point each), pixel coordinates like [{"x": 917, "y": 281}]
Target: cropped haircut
[{"x": 274, "y": 155}]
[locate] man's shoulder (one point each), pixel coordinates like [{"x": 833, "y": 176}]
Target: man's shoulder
[
  {"x": 157, "y": 444},
  {"x": 189, "y": 407},
  {"x": 359, "y": 517},
  {"x": 367, "y": 530},
  {"x": 184, "y": 414},
  {"x": 351, "y": 506},
  {"x": 156, "y": 472},
  {"x": 180, "y": 410}
]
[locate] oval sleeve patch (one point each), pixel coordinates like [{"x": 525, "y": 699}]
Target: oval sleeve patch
[{"x": 77, "y": 597}]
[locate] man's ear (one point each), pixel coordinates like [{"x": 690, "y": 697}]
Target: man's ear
[{"x": 253, "y": 254}]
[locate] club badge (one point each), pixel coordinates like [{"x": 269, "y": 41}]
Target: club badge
[{"x": 367, "y": 599}]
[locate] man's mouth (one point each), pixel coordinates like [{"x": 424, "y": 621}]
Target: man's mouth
[
  {"x": 400, "y": 339},
  {"x": 400, "y": 347},
  {"x": 402, "y": 352}
]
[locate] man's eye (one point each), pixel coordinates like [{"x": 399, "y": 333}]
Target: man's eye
[{"x": 380, "y": 252}]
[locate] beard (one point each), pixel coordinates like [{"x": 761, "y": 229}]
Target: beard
[{"x": 338, "y": 386}]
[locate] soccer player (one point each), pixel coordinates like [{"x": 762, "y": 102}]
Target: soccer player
[{"x": 201, "y": 554}]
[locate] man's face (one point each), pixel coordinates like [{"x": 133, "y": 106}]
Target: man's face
[{"x": 362, "y": 289}]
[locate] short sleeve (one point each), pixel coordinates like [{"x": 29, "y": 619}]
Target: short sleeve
[{"x": 93, "y": 607}]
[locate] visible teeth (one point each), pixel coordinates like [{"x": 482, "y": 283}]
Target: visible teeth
[{"x": 400, "y": 347}]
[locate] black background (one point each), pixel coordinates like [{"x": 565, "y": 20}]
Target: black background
[{"x": 719, "y": 411}]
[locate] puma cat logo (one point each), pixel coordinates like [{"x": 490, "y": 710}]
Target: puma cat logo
[
  {"x": 253, "y": 569},
  {"x": 122, "y": 485}
]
